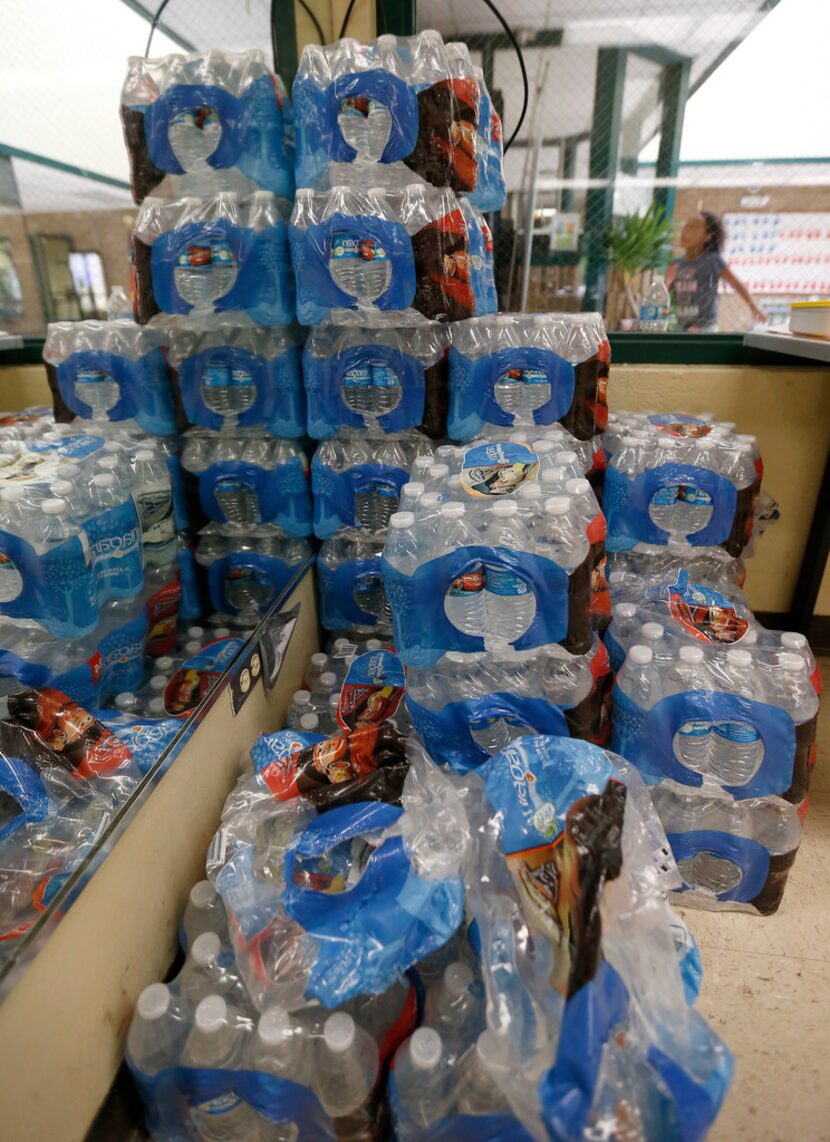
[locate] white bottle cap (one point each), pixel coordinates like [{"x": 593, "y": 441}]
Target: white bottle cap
[
  {"x": 373, "y": 644},
  {"x": 388, "y": 43},
  {"x": 452, "y": 509},
  {"x": 554, "y": 475},
  {"x": 221, "y": 632},
  {"x": 566, "y": 458},
  {"x": 413, "y": 488},
  {"x": 62, "y": 488},
  {"x": 693, "y": 654},
  {"x": 558, "y": 505},
  {"x": 202, "y": 895},
  {"x": 212, "y": 1012},
  {"x": 54, "y": 507},
  {"x": 504, "y": 509},
  {"x": 165, "y": 663},
  {"x": 158, "y": 682},
  {"x": 457, "y": 978},
  {"x": 309, "y": 723},
  {"x": 578, "y": 486},
  {"x": 425, "y": 1048},
  {"x": 630, "y": 442},
  {"x": 740, "y": 658},
  {"x": 145, "y": 456},
  {"x": 792, "y": 640},
  {"x": 487, "y": 1048},
  {"x": 109, "y": 462},
  {"x": 640, "y": 655},
  {"x": 625, "y": 610},
  {"x": 520, "y": 436},
  {"x": 402, "y": 520},
  {"x": 103, "y": 480},
  {"x": 195, "y": 632},
  {"x": 542, "y": 447},
  {"x": 438, "y": 471},
  {"x": 124, "y": 700},
  {"x": 652, "y": 631},
  {"x": 427, "y": 500},
  {"x": 530, "y": 491},
  {"x": 339, "y": 1032},
  {"x": 205, "y": 949},
  {"x": 274, "y": 1025},
  {"x": 155, "y": 707},
  {"x": 153, "y": 1001},
  {"x": 192, "y": 647},
  {"x": 328, "y": 679},
  {"x": 504, "y": 319},
  {"x": 792, "y": 663},
  {"x": 319, "y": 659}
]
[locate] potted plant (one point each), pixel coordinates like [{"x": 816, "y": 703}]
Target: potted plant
[{"x": 637, "y": 246}]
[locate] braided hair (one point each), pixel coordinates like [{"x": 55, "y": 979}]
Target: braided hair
[{"x": 715, "y": 233}]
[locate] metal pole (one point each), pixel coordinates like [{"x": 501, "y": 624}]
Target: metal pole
[{"x": 530, "y": 193}]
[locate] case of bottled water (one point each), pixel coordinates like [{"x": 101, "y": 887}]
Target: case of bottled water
[
  {"x": 713, "y": 566},
  {"x": 741, "y": 719},
  {"x": 394, "y": 111},
  {"x": 620, "y": 1020},
  {"x": 384, "y": 379},
  {"x": 213, "y": 255},
  {"x": 529, "y": 369},
  {"x": 489, "y": 549},
  {"x": 490, "y": 192},
  {"x": 468, "y": 707},
  {"x": 351, "y": 584},
  {"x": 205, "y": 122},
  {"x": 248, "y": 566},
  {"x": 357, "y": 479},
  {"x": 732, "y": 854},
  {"x": 229, "y": 375},
  {"x": 247, "y": 477},
  {"x": 111, "y": 370},
  {"x": 379, "y": 257},
  {"x": 699, "y": 489}
]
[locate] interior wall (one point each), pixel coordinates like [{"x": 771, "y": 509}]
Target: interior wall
[{"x": 784, "y": 409}]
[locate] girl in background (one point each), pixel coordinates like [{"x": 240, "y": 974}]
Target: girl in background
[{"x": 693, "y": 278}]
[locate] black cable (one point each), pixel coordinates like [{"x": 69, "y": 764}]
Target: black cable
[
  {"x": 346, "y": 17},
  {"x": 153, "y": 24},
  {"x": 517, "y": 48},
  {"x": 380, "y": 15},
  {"x": 317, "y": 25},
  {"x": 274, "y": 46}
]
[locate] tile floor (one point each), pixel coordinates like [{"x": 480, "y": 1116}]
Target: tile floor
[{"x": 766, "y": 988}]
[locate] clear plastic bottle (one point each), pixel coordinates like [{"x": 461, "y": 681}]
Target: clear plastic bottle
[
  {"x": 507, "y": 389},
  {"x": 204, "y": 912},
  {"x": 217, "y": 1042},
  {"x": 346, "y": 1065},
  {"x": 423, "y": 1082},
  {"x": 477, "y": 1092},
  {"x": 737, "y": 748},
  {"x": 154, "y": 500},
  {"x": 157, "y": 1032},
  {"x": 639, "y": 678},
  {"x": 655, "y": 308},
  {"x": 457, "y": 1015},
  {"x": 693, "y": 740},
  {"x": 510, "y": 601},
  {"x": 203, "y": 973},
  {"x": 281, "y": 1046},
  {"x": 300, "y": 706}
]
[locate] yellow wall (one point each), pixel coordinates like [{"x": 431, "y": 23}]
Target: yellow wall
[
  {"x": 22, "y": 386},
  {"x": 787, "y": 410}
]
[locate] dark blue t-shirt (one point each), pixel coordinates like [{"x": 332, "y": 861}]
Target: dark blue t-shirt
[{"x": 695, "y": 289}]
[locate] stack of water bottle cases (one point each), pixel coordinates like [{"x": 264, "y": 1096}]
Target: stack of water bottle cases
[{"x": 437, "y": 903}]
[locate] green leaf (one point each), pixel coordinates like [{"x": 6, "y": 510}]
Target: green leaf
[{"x": 639, "y": 242}]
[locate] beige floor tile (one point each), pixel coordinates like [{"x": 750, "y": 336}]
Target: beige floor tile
[{"x": 773, "y": 1013}]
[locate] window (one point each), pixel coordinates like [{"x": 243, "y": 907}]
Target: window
[
  {"x": 57, "y": 289},
  {"x": 90, "y": 283},
  {"x": 11, "y": 296}
]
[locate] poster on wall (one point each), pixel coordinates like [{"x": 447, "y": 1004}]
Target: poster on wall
[{"x": 780, "y": 253}]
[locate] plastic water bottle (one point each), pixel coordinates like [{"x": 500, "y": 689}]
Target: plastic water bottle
[
  {"x": 508, "y": 387},
  {"x": 565, "y": 682},
  {"x": 300, "y": 706},
  {"x": 737, "y": 748},
  {"x": 639, "y": 678},
  {"x": 423, "y": 1081},
  {"x": 204, "y": 912},
  {"x": 477, "y": 1092},
  {"x": 203, "y": 974},
  {"x": 465, "y": 604},
  {"x": 119, "y": 305},
  {"x": 654, "y": 309},
  {"x": 692, "y": 745},
  {"x": 217, "y": 1042},
  {"x": 157, "y": 1032},
  {"x": 281, "y": 1046},
  {"x": 154, "y": 499},
  {"x": 194, "y": 136},
  {"x": 511, "y": 604},
  {"x": 346, "y": 1065},
  {"x": 457, "y": 1015}
]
